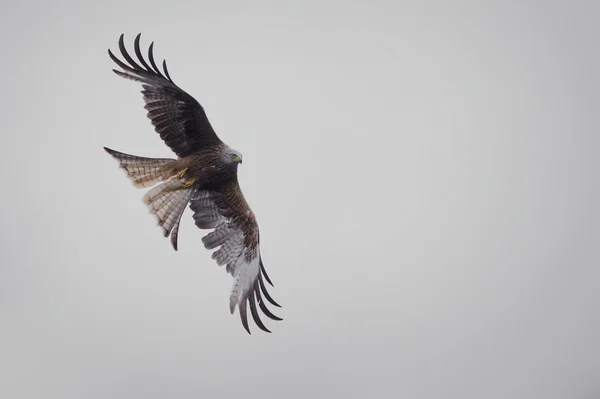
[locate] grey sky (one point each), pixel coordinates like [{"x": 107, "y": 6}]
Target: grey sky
[{"x": 424, "y": 176}]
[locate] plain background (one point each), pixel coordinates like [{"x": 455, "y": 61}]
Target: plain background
[{"x": 425, "y": 176}]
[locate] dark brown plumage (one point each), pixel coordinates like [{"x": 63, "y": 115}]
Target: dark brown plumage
[{"x": 204, "y": 175}]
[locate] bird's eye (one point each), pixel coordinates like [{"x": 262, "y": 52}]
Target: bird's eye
[{"x": 233, "y": 155}]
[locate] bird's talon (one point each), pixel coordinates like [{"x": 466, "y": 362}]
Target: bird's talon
[
  {"x": 188, "y": 183},
  {"x": 182, "y": 173}
]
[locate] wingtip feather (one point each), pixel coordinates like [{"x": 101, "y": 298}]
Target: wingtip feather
[
  {"x": 244, "y": 315},
  {"x": 266, "y": 293},
  {"x": 264, "y": 272},
  {"x": 254, "y": 312},
  {"x": 232, "y": 303},
  {"x": 262, "y": 305}
]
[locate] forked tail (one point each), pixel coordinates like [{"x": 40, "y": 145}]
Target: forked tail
[{"x": 168, "y": 200}]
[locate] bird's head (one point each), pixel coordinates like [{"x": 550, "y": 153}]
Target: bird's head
[{"x": 232, "y": 157}]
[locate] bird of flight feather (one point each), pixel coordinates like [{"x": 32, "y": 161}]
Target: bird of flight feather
[{"x": 204, "y": 175}]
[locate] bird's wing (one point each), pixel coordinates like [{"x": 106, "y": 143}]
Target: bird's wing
[
  {"x": 236, "y": 233},
  {"x": 177, "y": 117}
]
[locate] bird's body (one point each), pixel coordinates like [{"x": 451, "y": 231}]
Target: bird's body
[
  {"x": 206, "y": 168},
  {"x": 204, "y": 175}
]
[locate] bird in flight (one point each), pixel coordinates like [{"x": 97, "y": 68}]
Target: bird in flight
[{"x": 204, "y": 175}]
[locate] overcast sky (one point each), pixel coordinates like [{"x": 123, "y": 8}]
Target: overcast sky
[{"x": 425, "y": 177}]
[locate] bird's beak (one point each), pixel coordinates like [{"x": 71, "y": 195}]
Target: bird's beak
[{"x": 237, "y": 159}]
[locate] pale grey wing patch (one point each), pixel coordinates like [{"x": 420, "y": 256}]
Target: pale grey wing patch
[{"x": 244, "y": 274}]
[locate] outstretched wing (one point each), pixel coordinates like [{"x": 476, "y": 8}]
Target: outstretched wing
[
  {"x": 236, "y": 233},
  {"x": 177, "y": 117}
]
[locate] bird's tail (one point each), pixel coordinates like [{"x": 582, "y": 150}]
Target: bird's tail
[
  {"x": 144, "y": 172},
  {"x": 168, "y": 200}
]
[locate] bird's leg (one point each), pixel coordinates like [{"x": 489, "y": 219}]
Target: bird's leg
[{"x": 186, "y": 183}]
